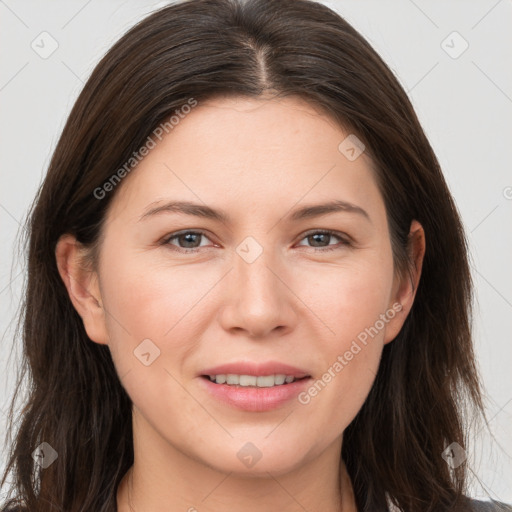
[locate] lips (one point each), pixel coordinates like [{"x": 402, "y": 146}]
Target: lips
[
  {"x": 256, "y": 369},
  {"x": 254, "y": 399}
]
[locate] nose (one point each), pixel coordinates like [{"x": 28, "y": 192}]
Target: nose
[{"x": 259, "y": 300}]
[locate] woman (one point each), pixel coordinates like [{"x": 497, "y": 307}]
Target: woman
[{"x": 257, "y": 368}]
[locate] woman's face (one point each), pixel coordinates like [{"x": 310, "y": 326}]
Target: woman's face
[{"x": 261, "y": 289}]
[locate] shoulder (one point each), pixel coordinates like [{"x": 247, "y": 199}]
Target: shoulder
[{"x": 486, "y": 506}]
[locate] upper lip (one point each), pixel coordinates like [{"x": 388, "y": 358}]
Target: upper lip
[{"x": 257, "y": 369}]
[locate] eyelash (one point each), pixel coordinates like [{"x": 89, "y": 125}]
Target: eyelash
[{"x": 344, "y": 240}]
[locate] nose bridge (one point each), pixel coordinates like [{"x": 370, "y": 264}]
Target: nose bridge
[
  {"x": 260, "y": 301},
  {"x": 255, "y": 279}
]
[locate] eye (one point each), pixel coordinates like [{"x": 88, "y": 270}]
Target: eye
[
  {"x": 322, "y": 236},
  {"x": 188, "y": 239}
]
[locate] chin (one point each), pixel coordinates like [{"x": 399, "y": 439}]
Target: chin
[{"x": 255, "y": 459}]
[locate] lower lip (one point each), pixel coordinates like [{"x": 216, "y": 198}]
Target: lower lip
[{"x": 255, "y": 399}]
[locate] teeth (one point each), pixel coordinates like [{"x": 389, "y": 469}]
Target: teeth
[
  {"x": 266, "y": 382},
  {"x": 232, "y": 379},
  {"x": 248, "y": 380},
  {"x": 279, "y": 379},
  {"x": 262, "y": 381}
]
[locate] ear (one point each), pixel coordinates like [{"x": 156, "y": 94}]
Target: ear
[
  {"x": 83, "y": 287},
  {"x": 404, "y": 289}
]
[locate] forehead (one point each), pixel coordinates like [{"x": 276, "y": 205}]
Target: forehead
[{"x": 250, "y": 153}]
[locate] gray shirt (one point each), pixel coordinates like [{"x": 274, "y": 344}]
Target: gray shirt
[{"x": 489, "y": 506}]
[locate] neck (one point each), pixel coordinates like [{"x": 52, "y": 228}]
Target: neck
[{"x": 165, "y": 479}]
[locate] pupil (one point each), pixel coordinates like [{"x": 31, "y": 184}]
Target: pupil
[
  {"x": 187, "y": 237},
  {"x": 315, "y": 236}
]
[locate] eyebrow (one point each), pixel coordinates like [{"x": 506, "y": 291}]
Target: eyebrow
[{"x": 201, "y": 210}]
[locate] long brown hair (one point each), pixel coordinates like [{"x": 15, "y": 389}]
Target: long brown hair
[{"x": 199, "y": 49}]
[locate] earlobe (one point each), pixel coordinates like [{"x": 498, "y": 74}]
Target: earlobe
[
  {"x": 406, "y": 288},
  {"x": 82, "y": 286}
]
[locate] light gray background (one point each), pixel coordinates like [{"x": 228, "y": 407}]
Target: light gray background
[{"x": 464, "y": 104}]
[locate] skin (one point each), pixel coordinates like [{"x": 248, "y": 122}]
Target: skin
[{"x": 258, "y": 160}]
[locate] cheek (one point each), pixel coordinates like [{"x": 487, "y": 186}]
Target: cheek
[
  {"x": 152, "y": 300},
  {"x": 156, "y": 303},
  {"x": 349, "y": 300},
  {"x": 150, "y": 320}
]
